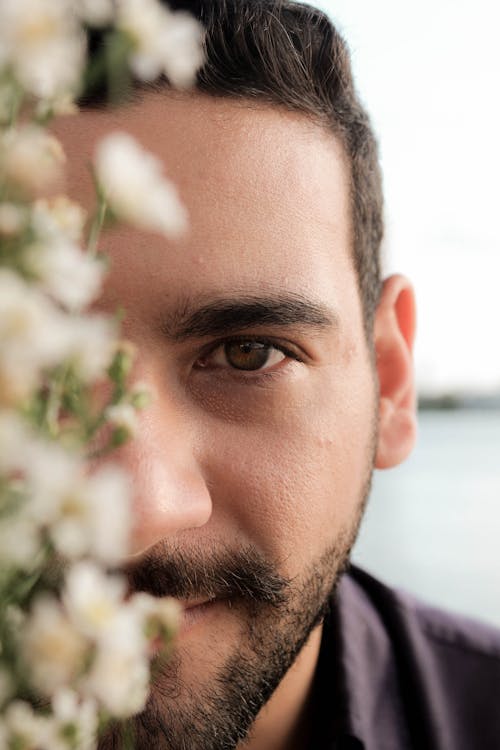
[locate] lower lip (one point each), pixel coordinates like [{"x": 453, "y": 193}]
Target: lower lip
[
  {"x": 197, "y": 615},
  {"x": 191, "y": 618}
]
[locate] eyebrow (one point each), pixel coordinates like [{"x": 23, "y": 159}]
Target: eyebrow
[{"x": 228, "y": 315}]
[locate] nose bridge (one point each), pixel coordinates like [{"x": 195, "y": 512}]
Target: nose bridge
[{"x": 169, "y": 489}]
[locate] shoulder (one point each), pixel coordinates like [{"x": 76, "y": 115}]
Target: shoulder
[
  {"x": 444, "y": 668},
  {"x": 442, "y": 630}
]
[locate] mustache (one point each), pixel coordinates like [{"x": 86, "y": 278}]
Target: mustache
[{"x": 223, "y": 574}]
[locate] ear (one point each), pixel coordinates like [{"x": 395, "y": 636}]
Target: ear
[{"x": 394, "y": 334}]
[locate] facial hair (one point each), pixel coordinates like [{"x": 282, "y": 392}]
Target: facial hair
[{"x": 278, "y": 615}]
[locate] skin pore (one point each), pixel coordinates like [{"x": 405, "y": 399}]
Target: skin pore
[{"x": 251, "y": 467}]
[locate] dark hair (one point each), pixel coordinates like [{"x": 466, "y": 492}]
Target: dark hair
[{"x": 291, "y": 55}]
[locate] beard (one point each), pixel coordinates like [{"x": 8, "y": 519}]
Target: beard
[{"x": 278, "y": 616}]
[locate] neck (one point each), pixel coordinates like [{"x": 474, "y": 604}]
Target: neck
[{"x": 283, "y": 723}]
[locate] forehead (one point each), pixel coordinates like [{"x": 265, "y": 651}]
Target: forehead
[{"x": 267, "y": 192}]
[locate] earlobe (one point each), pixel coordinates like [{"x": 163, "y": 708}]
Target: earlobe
[{"x": 394, "y": 334}]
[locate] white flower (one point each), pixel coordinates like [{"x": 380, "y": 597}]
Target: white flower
[
  {"x": 92, "y": 344},
  {"x": 163, "y": 42},
  {"x": 51, "y": 473},
  {"x": 42, "y": 468},
  {"x": 161, "y": 616},
  {"x": 59, "y": 106},
  {"x": 182, "y": 49},
  {"x": 95, "y": 12},
  {"x": 12, "y": 217},
  {"x": 21, "y": 722},
  {"x": 59, "y": 215},
  {"x": 33, "y": 335},
  {"x": 27, "y": 730},
  {"x": 53, "y": 649},
  {"x": 119, "y": 679},
  {"x": 123, "y": 416},
  {"x": 31, "y": 158},
  {"x": 85, "y": 515},
  {"x": 65, "y": 272},
  {"x": 43, "y": 44},
  {"x": 93, "y": 599},
  {"x": 119, "y": 674},
  {"x": 19, "y": 541},
  {"x": 135, "y": 187},
  {"x": 166, "y": 609},
  {"x": 110, "y": 495},
  {"x": 15, "y": 437},
  {"x": 81, "y": 714}
]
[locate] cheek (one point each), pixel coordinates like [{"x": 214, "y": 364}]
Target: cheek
[{"x": 291, "y": 475}]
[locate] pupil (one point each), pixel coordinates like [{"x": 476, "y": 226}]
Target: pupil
[{"x": 247, "y": 355}]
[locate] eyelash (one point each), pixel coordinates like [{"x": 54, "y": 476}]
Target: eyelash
[{"x": 247, "y": 374}]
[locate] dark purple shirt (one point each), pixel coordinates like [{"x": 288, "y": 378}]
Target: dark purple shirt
[{"x": 394, "y": 674}]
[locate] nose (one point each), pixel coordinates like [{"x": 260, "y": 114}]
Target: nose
[{"x": 169, "y": 490}]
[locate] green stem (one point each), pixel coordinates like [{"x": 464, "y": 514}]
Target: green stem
[
  {"x": 128, "y": 736},
  {"x": 54, "y": 403},
  {"x": 17, "y": 100},
  {"x": 96, "y": 226}
]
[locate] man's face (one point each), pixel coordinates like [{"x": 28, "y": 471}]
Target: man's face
[{"x": 251, "y": 466}]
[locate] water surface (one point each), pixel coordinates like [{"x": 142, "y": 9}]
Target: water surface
[{"x": 433, "y": 524}]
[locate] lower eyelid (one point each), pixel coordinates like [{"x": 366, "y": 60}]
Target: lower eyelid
[{"x": 225, "y": 379}]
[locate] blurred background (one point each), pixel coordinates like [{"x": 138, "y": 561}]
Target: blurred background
[{"x": 429, "y": 73}]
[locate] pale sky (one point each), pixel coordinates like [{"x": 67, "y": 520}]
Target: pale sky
[{"x": 429, "y": 74}]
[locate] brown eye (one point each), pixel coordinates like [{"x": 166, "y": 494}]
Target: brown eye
[
  {"x": 243, "y": 355},
  {"x": 247, "y": 355}
]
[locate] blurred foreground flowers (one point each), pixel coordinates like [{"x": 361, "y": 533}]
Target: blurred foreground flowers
[{"x": 74, "y": 647}]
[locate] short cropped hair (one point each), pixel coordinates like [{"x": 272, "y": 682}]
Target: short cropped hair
[{"x": 291, "y": 55}]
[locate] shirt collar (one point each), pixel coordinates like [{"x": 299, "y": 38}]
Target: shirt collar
[{"x": 356, "y": 681}]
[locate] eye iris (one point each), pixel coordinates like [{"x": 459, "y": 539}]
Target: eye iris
[{"x": 247, "y": 355}]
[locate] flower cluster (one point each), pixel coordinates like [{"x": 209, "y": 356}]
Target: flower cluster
[
  {"x": 75, "y": 646},
  {"x": 95, "y": 640},
  {"x": 125, "y": 172}
]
